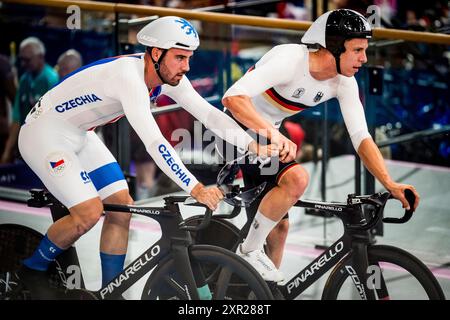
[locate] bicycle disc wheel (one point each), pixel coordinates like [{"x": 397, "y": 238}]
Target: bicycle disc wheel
[
  {"x": 393, "y": 273},
  {"x": 219, "y": 232},
  {"x": 228, "y": 276},
  {"x": 222, "y": 233},
  {"x": 16, "y": 243}
]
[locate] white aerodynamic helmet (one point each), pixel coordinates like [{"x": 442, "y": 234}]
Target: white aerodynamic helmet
[
  {"x": 169, "y": 32},
  {"x": 333, "y": 28}
]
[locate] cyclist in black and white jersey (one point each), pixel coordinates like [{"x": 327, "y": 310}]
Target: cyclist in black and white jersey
[
  {"x": 58, "y": 143},
  {"x": 286, "y": 80}
]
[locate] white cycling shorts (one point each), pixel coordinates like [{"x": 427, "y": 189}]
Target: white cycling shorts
[{"x": 73, "y": 164}]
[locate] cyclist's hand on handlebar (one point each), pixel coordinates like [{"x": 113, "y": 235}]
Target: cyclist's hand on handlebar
[
  {"x": 208, "y": 196},
  {"x": 267, "y": 151},
  {"x": 398, "y": 192},
  {"x": 287, "y": 148}
]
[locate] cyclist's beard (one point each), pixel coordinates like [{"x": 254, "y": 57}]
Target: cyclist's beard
[{"x": 167, "y": 78}]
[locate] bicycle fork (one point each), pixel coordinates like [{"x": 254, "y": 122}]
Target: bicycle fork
[
  {"x": 358, "y": 270},
  {"x": 184, "y": 268}
]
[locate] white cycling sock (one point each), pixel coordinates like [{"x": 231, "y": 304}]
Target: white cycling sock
[{"x": 259, "y": 230}]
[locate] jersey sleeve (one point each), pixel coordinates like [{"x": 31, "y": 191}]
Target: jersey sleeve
[
  {"x": 213, "y": 119},
  {"x": 352, "y": 111},
  {"x": 275, "y": 68},
  {"x": 133, "y": 94}
]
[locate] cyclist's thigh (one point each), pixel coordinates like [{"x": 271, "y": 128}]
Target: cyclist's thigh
[
  {"x": 101, "y": 167},
  {"x": 252, "y": 178},
  {"x": 50, "y": 147},
  {"x": 254, "y": 175}
]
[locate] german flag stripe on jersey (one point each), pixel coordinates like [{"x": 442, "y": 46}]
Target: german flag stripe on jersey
[{"x": 282, "y": 103}]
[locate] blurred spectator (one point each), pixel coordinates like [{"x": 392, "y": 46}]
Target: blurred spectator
[
  {"x": 292, "y": 10},
  {"x": 37, "y": 79},
  {"x": 54, "y": 18},
  {"x": 185, "y": 4},
  {"x": 8, "y": 89},
  {"x": 193, "y": 4},
  {"x": 68, "y": 62},
  {"x": 431, "y": 15},
  {"x": 357, "y": 5}
]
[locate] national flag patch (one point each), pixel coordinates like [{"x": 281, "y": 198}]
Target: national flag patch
[{"x": 57, "y": 163}]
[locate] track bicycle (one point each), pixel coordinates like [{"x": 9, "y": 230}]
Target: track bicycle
[
  {"x": 179, "y": 267},
  {"x": 362, "y": 269}
]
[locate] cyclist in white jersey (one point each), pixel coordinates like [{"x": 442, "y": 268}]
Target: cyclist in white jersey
[
  {"x": 58, "y": 143},
  {"x": 286, "y": 80}
]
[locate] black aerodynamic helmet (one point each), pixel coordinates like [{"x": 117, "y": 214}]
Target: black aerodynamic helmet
[{"x": 333, "y": 28}]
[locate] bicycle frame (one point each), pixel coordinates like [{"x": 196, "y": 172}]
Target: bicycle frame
[
  {"x": 351, "y": 249},
  {"x": 175, "y": 243},
  {"x": 331, "y": 257}
]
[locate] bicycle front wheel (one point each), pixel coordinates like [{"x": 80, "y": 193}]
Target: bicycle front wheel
[
  {"x": 227, "y": 275},
  {"x": 393, "y": 274}
]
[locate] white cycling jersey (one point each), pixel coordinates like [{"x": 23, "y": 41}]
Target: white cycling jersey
[
  {"x": 280, "y": 85},
  {"x": 54, "y": 139}
]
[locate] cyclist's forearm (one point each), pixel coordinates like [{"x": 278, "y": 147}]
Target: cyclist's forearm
[
  {"x": 244, "y": 112},
  {"x": 374, "y": 162},
  {"x": 170, "y": 163}
]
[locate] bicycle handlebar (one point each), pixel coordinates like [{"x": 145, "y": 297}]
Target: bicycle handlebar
[
  {"x": 379, "y": 200},
  {"x": 206, "y": 219},
  {"x": 409, "y": 195}
]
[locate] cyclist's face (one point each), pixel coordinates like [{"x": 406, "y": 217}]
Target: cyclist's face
[
  {"x": 174, "y": 65},
  {"x": 354, "y": 56}
]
